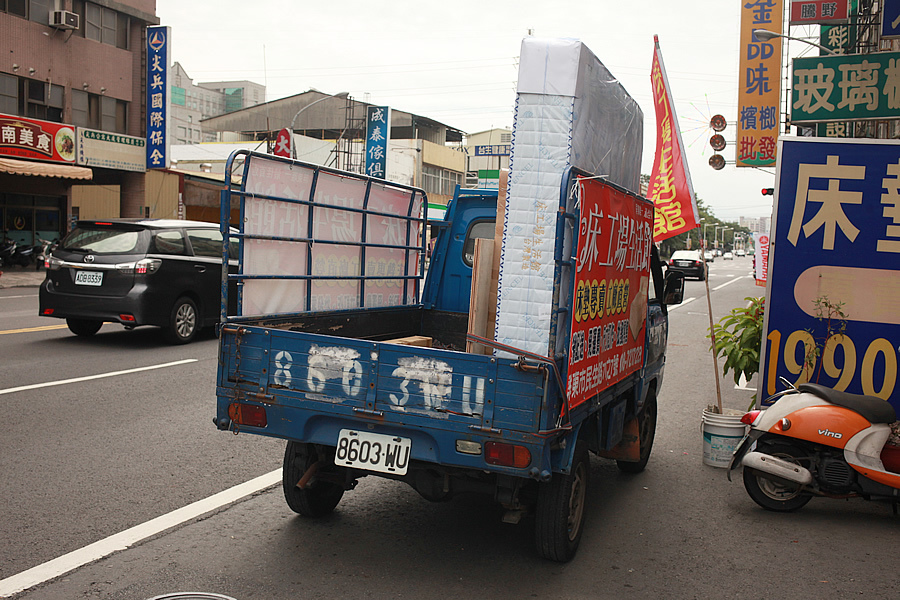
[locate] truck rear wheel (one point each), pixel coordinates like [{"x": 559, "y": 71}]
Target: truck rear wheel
[
  {"x": 560, "y": 510},
  {"x": 646, "y": 432},
  {"x": 317, "y": 498}
]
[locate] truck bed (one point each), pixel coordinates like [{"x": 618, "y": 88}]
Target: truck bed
[
  {"x": 312, "y": 380},
  {"x": 447, "y": 329}
]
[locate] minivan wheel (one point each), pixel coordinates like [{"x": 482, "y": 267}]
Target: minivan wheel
[
  {"x": 84, "y": 327},
  {"x": 183, "y": 322}
]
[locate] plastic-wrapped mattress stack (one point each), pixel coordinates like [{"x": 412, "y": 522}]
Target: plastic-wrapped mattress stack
[{"x": 570, "y": 112}]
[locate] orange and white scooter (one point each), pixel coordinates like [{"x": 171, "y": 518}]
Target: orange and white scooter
[{"x": 816, "y": 441}]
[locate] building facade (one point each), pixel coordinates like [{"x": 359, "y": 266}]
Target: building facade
[
  {"x": 421, "y": 152},
  {"x": 71, "y": 73},
  {"x": 487, "y": 153},
  {"x": 192, "y": 103}
]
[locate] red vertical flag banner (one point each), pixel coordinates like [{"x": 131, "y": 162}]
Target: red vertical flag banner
[{"x": 670, "y": 182}]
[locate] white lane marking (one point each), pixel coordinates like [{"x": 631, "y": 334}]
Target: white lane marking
[
  {"x": 10, "y": 297},
  {"x": 35, "y": 386},
  {"x": 121, "y": 541},
  {"x": 719, "y": 287},
  {"x": 683, "y": 302}
]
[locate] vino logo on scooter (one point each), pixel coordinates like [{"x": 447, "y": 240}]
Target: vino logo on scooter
[{"x": 833, "y": 434}]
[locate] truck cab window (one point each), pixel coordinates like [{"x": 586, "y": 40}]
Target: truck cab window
[{"x": 479, "y": 229}]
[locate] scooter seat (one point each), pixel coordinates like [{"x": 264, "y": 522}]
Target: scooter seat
[{"x": 875, "y": 410}]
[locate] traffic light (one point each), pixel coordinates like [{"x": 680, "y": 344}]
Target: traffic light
[
  {"x": 717, "y": 124},
  {"x": 768, "y": 191}
]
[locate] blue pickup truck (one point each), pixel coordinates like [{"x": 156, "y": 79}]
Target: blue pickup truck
[{"x": 344, "y": 346}]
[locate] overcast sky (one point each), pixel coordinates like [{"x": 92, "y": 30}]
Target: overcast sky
[{"x": 456, "y": 62}]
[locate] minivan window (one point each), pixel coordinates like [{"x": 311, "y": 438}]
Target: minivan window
[
  {"x": 206, "y": 242},
  {"x": 103, "y": 241},
  {"x": 168, "y": 242}
]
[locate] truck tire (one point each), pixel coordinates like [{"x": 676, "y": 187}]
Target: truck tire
[
  {"x": 84, "y": 327},
  {"x": 646, "y": 432},
  {"x": 318, "y": 498},
  {"x": 184, "y": 321},
  {"x": 559, "y": 519}
]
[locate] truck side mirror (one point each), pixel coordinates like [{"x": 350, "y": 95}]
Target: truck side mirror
[{"x": 673, "y": 288}]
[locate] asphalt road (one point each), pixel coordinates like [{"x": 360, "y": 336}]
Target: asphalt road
[{"x": 83, "y": 460}]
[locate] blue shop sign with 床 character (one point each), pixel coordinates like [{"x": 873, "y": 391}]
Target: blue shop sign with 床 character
[
  {"x": 378, "y": 132},
  {"x": 158, "y": 98},
  {"x": 834, "y": 268}
]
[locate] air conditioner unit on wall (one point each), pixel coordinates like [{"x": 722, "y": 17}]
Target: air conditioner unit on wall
[{"x": 63, "y": 19}]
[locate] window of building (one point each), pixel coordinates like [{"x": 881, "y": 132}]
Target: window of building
[
  {"x": 42, "y": 100},
  {"x": 9, "y": 93},
  {"x": 436, "y": 180},
  {"x": 99, "y": 112},
  {"x": 39, "y": 11},
  {"x": 15, "y": 7},
  {"x": 31, "y": 98},
  {"x": 103, "y": 24}
]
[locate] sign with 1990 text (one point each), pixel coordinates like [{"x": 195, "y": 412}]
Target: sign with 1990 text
[{"x": 834, "y": 268}]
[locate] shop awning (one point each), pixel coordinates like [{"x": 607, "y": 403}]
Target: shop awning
[{"x": 39, "y": 169}]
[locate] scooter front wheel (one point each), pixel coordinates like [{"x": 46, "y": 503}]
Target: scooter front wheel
[{"x": 772, "y": 494}]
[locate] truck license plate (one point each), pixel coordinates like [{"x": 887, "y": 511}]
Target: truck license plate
[
  {"x": 94, "y": 278},
  {"x": 373, "y": 451}
]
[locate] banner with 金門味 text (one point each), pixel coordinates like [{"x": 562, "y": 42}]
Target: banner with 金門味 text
[{"x": 759, "y": 94}]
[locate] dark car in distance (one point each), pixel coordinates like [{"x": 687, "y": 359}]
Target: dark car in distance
[
  {"x": 689, "y": 262},
  {"x": 136, "y": 272}
]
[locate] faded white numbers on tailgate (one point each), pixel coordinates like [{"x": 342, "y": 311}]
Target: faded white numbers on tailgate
[
  {"x": 433, "y": 376},
  {"x": 334, "y": 362},
  {"x": 282, "y": 374},
  {"x": 473, "y": 396}
]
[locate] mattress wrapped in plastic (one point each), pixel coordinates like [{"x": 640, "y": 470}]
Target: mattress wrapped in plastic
[{"x": 570, "y": 112}]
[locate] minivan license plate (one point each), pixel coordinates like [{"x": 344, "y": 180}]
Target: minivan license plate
[
  {"x": 373, "y": 451},
  {"x": 94, "y": 278}
]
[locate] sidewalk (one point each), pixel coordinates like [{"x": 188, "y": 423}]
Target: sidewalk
[{"x": 16, "y": 276}]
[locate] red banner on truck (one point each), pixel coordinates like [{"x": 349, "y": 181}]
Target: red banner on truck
[{"x": 612, "y": 276}]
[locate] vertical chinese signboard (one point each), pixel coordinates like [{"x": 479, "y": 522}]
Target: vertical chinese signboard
[
  {"x": 378, "y": 132},
  {"x": 611, "y": 283},
  {"x": 759, "y": 84},
  {"x": 836, "y": 242},
  {"x": 761, "y": 258},
  {"x": 158, "y": 97}
]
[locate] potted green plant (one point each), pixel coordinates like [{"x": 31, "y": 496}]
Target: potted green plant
[{"x": 737, "y": 337}]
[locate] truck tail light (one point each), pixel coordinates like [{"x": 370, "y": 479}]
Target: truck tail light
[
  {"x": 507, "y": 455},
  {"x": 247, "y": 414}
]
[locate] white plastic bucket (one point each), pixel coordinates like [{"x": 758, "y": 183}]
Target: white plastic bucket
[{"x": 721, "y": 435}]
